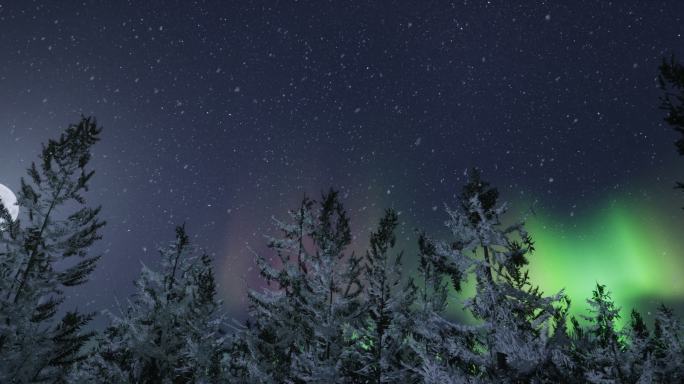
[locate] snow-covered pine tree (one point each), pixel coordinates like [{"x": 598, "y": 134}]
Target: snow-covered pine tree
[
  {"x": 602, "y": 354},
  {"x": 296, "y": 328},
  {"x": 511, "y": 342},
  {"x": 381, "y": 352},
  {"x": 276, "y": 330},
  {"x": 172, "y": 329},
  {"x": 599, "y": 348},
  {"x": 42, "y": 254},
  {"x": 637, "y": 356},
  {"x": 558, "y": 365},
  {"x": 331, "y": 298},
  {"x": 443, "y": 352},
  {"x": 671, "y": 81},
  {"x": 667, "y": 345}
]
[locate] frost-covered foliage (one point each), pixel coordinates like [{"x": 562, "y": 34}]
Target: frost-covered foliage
[
  {"x": 668, "y": 348},
  {"x": 43, "y": 253},
  {"x": 380, "y": 350},
  {"x": 327, "y": 316},
  {"x": 393, "y": 328},
  {"x": 601, "y": 361},
  {"x": 171, "y": 331},
  {"x": 297, "y": 328},
  {"x": 511, "y": 340},
  {"x": 443, "y": 348},
  {"x": 603, "y": 354}
]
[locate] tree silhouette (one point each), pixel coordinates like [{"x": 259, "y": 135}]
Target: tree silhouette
[
  {"x": 44, "y": 252},
  {"x": 671, "y": 81}
]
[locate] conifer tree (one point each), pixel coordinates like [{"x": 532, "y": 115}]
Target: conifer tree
[
  {"x": 276, "y": 329},
  {"x": 443, "y": 350},
  {"x": 638, "y": 352},
  {"x": 172, "y": 329},
  {"x": 296, "y": 333},
  {"x": 671, "y": 81},
  {"x": 667, "y": 348},
  {"x": 44, "y": 253},
  {"x": 511, "y": 341},
  {"x": 600, "y": 349},
  {"x": 382, "y": 349}
]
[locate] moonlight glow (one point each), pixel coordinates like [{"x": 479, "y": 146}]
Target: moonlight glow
[{"x": 9, "y": 201}]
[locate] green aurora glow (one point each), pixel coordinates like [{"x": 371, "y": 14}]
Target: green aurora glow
[{"x": 632, "y": 248}]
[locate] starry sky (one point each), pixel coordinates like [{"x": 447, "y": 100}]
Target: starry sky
[{"x": 224, "y": 114}]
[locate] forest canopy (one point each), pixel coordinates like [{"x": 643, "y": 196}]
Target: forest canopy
[{"x": 328, "y": 315}]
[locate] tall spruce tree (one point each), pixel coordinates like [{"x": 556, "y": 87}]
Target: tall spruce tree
[
  {"x": 511, "y": 341},
  {"x": 443, "y": 350},
  {"x": 671, "y": 81},
  {"x": 43, "y": 253},
  {"x": 277, "y": 329},
  {"x": 667, "y": 342},
  {"x": 381, "y": 351},
  {"x": 172, "y": 331},
  {"x": 637, "y": 352},
  {"x": 600, "y": 349},
  {"x": 296, "y": 329}
]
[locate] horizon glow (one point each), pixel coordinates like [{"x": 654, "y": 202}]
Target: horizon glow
[{"x": 630, "y": 247}]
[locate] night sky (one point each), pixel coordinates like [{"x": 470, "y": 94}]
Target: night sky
[{"x": 223, "y": 114}]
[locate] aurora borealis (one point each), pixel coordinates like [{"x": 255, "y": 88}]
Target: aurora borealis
[
  {"x": 221, "y": 115},
  {"x": 631, "y": 247}
]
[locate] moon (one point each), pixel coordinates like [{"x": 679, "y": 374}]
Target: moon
[{"x": 9, "y": 200}]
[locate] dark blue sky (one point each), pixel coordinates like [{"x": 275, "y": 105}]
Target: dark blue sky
[{"x": 221, "y": 114}]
